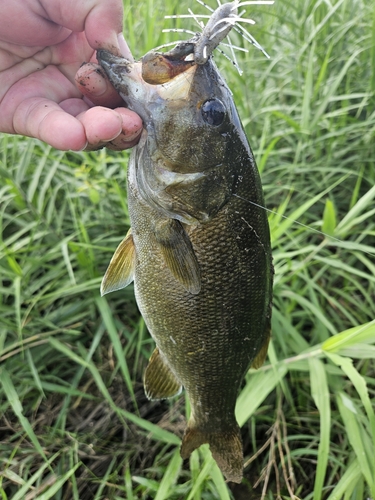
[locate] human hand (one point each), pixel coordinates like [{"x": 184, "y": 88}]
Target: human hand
[{"x": 42, "y": 46}]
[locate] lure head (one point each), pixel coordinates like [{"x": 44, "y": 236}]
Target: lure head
[{"x": 218, "y": 27}]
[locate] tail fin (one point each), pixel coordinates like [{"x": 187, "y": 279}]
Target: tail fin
[{"x": 225, "y": 446}]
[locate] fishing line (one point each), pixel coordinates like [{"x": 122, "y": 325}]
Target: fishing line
[{"x": 297, "y": 222}]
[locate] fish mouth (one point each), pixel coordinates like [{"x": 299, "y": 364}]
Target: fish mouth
[
  {"x": 155, "y": 68},
  {"x": 156, "y": 76},
  {"x": 118, "y": 68}
]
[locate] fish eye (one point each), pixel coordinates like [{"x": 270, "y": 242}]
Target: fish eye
[{"x": 213, "y": 112}]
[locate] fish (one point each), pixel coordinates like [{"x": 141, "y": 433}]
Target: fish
[{"x": 198, "y": 250}]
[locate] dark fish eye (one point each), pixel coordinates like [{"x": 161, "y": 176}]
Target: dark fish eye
[{"x": 213, "y": 112}]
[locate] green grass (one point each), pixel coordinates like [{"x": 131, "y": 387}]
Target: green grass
[{"x": 74, "y": 422}]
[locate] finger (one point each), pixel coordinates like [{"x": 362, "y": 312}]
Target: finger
[
  {"x": 101, "y": 21},
  {"x": 25, "y": 24},
  {"x": 132, "y": 127},
  {"x": 121, "y": 143},
  {"x": 117, "y": 129},
  {"x": 45, "y": 120},
  {"x": 74, "y": 106},
  {"x": 104, "y": 24},
  {"x": 98, "y": 126},
  {"x": 95, "y": 86}
]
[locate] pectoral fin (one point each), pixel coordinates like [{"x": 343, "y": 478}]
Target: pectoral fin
[
  {"x": 179, "y": 254},
  {"x": 159, "y": 381},
  {"x": 120, "y": 271}
]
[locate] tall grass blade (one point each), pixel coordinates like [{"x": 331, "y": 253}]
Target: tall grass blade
[
  {"x": 203, "y": 475},
  {"x": 348, "y": 338},
  {"x": 361, "y": 387},
  {"x": 156, "y": 432},
  {"x": 356, "y": 435},
  {"x": 298, "y": 212},
  {"x": 59, "y": 484},
  {"x": 21, "y": 493},
  {"x": 347, "y": 482},
  {"x": 112, "y": 332},
  {"x": 329, "y": 218},
  {"x": 334, "y": 86},
  {"x": 13, "y": 398},
  {"x": 362, "y": 204},
  {"x": 219, "y": 482},
  {"x": 169, "y": 477},
  {"x": 258, "y": 386},
  {"x": 320, "y": 394}
]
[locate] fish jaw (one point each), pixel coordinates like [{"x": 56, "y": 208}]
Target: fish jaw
[
  {"x": 126, "y": 77},
  {"x": 170, "y": 80}
]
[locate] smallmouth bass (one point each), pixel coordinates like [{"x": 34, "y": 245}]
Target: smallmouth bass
[{"x": 199, "y": 247}]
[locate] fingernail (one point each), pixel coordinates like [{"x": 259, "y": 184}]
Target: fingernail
[
  {"x": 96, "y": 83},
  {"x": 99, "y": 86},
  {"x": 91, "y": 77},
  {"x": 79, "y": 150},
  {"x": 131, "y": 137},
  {"x": 125, "y": 51},
  {"x": 124, "y": 139}
]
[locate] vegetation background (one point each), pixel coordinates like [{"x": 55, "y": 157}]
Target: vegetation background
[{"x": 74, "y": 423}]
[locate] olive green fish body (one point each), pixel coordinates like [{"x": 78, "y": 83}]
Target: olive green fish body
[{"x": 198, "y": 251}]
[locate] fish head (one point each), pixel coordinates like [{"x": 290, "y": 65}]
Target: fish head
[
  {"x": 186, "y": 163},
  {"x": 192, "y": 118}
]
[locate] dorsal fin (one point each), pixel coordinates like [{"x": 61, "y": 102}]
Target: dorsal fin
[{"x": 120, "y": 271}]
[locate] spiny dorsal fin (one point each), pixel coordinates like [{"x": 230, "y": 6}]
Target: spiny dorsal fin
[
  {"x": 120, "y": 271},
  {"x": 179, "y": 254},
  {"x": 159, "y": 381}
]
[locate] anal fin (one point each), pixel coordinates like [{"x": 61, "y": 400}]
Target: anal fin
[
  {"x": 178, "y": 253},
  {"x": 120, "y": 272},
  {"x": 159, "y": 381}
]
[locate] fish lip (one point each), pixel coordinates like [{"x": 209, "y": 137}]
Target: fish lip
[
  {"x": 114, "y": 65},
  {"x": 126, "y": 78},
  {"x": 106, "y": 58}
]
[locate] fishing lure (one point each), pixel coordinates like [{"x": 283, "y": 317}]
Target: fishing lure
[{"x": 220, "y": 23}]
